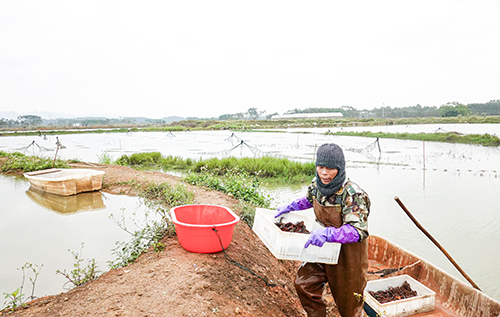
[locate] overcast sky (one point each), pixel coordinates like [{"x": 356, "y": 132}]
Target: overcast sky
[{"x": 208, "y": 58}]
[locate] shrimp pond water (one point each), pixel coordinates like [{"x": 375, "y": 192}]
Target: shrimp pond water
[{"x": 453, "y": 190}]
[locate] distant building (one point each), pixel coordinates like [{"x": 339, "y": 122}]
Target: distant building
[{"x": 309, "y": 115}]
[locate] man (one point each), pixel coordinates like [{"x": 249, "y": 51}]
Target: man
[{"x": 343, "y": 208}]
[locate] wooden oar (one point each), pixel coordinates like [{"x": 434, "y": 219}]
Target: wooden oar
[{"x": 436, "y": 243}]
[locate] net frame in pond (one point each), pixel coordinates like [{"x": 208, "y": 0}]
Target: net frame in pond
[
  {"x": 255, "y": 151},
  {"x": 34, "y": 145},
  {"x": 368, "y": 148}
]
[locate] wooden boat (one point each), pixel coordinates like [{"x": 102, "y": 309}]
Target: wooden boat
[
  {"x": 453, "y": 297},
  {"x": 66, "y": 181}
]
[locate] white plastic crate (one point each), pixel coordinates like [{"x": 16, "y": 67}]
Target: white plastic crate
[
  {"x": 289, "y": 245},
  {"x": 423, "y": 302}
]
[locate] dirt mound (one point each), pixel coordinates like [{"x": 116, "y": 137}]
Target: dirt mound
[{"x": 176, "y": 282}]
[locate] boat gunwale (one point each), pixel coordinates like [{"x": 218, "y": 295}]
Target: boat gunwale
[
  {"x": 64, "y": 175},
  {"x": 455, "y": 296}
]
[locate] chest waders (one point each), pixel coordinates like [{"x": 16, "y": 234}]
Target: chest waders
[{"x": 347, "y": 278}]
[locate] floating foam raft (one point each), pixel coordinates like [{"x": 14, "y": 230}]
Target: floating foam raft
[{"x": 66, "y": 181}]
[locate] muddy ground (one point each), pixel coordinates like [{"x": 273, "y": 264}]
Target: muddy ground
[{"x": 176, "y": 282}]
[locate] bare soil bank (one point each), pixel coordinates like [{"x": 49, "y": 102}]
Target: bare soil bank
[{"x": 176, "y": 282}]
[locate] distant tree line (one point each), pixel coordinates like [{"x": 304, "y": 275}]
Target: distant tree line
[
  {"x": 491, "y": 108},
  {"x": 28, "y": 121},
  {"x": 22, "y": 121},
  {"x": 451, "y": 109},
  {"x": 251, "y": 114}
]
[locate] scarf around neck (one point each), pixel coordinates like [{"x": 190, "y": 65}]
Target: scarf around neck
[{"x": 333, "y": 186}]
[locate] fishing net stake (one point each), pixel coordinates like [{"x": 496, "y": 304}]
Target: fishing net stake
[
  {"x": 230, "y": 260},
  {"x": 57, "y": 150},
  {"x": 233, "y": 136}
]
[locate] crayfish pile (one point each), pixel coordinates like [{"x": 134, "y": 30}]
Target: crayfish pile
[
  {"x": 394, "y": 293},
  {"x": 298, "y": 227}
]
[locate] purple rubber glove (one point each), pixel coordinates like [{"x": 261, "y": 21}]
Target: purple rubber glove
[
  {"x": 298, "y": 204},
  {"x": 344, "y": 234}
]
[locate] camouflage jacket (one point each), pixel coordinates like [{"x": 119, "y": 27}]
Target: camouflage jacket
[{"x": 355, "y": 204}]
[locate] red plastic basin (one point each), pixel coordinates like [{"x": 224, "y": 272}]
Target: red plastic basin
[{"x": 195, "y": 224}]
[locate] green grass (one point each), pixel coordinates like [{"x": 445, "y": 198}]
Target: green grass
[
  {"x": 166, "y": 195},
  {"x": 240, "y": 185},
  {"x": 17, "y": 161},
  {"x": 279, "y": 169},
  {"x": 265, "y": 167},
  {"x": 154, "y": 160},
  {"x": 237, "y": 177}
]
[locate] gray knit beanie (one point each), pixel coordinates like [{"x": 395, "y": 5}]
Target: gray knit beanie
[{"x": 330, "y": 155}]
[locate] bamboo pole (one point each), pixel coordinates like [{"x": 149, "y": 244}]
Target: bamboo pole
[
  {"x": 400, "y": 203},
  {"x": 55, "y": 156}
]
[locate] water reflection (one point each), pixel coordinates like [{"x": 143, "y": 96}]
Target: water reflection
[
  {"x": 67, "y": 204},
  {"x": 423, "y": 179},
  {"x": 36, "y": 228}
]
